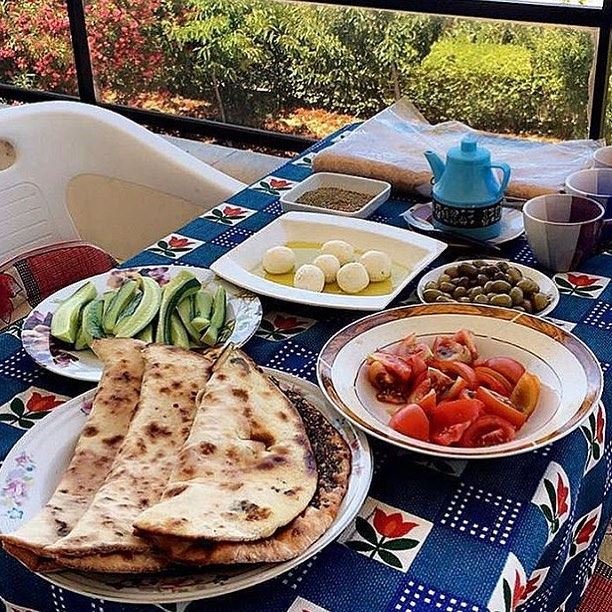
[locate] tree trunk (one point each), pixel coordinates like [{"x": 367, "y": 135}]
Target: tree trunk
[
  {"x": 396, "y": 85},
  {"x": 215, "y": 85}
]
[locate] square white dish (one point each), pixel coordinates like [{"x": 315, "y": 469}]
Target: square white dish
[
  {"x": 378, "y": 190},
  {"x": 411, "y": 250}
]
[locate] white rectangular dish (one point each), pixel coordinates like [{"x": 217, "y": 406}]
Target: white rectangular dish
[
  {"x": 378, "y": 190},
  {"x": 410, "y": 250}
]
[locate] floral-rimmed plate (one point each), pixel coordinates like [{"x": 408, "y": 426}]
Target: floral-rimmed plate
[
  {"x": 547, "y": 286},
  {"x": 572, "y": 380},
  {"x": 244, "y": 316},
  {"x": 33, "y": 468}
]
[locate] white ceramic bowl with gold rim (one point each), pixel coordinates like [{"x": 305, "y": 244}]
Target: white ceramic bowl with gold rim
[{"x": 572, "y": 380}]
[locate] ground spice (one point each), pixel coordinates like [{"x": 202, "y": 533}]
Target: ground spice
[{"x": 335, "y": 198}]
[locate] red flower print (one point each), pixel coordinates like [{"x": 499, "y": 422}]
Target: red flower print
[
  {"x": 562, "y": 492},
  {"x": 581, "y": 280},
  {"x": 9, "y": 288},
  {"x": 584, "y": 535},
  {"x": 285, "y": 323},
  {"x": 232, "y": 211},
  {"x": 519, "y": 589},
  {"x": 530, "y": 587},
  {"x": 39, "y": 402},
  {"x": 175, "y": 242},
  {"x": 391, "y": 525},
  {"x": 600, "y": 426},
  {"x": 279, "y": 183}
]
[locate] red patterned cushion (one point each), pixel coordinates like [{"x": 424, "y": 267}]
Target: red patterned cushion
[{"x": 31, "y": 277}]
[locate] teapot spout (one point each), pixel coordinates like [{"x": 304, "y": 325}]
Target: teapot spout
[{"x": 436, "y": 164}]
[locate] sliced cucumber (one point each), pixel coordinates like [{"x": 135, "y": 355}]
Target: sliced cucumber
[
  {"x": 185, "y": 311},
  {"x": 65, "y": 321},
  {"x": 146, "y": 334},
  {"x": 122, "y": 299},
  {"x": 91, "y": 322},
  {"x": 178, "y": 334},
  {"x": 108, "y": 297},
  {"x": 203, "y": 302},
  {"x": 144, "y": 313},
  {"x": 182, "y": 285},
  {"x": 200, "y": 324},
  {"x": 81, "y": 342},
  {"x": 217, "y": 319}
]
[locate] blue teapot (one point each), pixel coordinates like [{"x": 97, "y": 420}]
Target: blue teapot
[{"x": 467, "y": 196}]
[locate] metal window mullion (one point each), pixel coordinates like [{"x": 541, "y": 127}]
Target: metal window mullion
[
  {"x": 602, "y": 74},
  {"x": 80, "y": 49}
]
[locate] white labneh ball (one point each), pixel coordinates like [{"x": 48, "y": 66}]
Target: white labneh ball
[
  {"x": 343, "y": 251},
  {"x": 352, "y": 277},
  {"x": 329, "y": 265},
  {"x": 279, "y": 260},
  {"x": 377, "y": 264},
  {"x": 309, "y": 277}
]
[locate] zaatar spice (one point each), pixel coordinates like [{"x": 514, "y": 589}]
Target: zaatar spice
[{"x": 335, "y": 198}]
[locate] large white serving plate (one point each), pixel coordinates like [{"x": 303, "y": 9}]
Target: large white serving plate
[
  {"x": 34, "y": 467},
  {"x": 243, "y": 308},
  {"x": 547, "y": 286},
  {"x": 572, "y": 380},
  {"x": 409, "y": 249}
]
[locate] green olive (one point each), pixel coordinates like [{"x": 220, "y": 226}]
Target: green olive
[
  {"x": 500, "y": 286},
  {"x": 489, "y": 270},
  {"x": 482, "y": 279},
  {"x": 452, "y": 272},
  {"x": 430, "y": 295},
  {"x": 527, "y": 306},
  {"x": 539, "y": 301},
  {"x": 467, "y": 269},
  {"x": 443, "y": 278},
  {"x": 460, "y": 292},
  {"x": 474, "y": 291},
  {"x": 465, "y": 300},
  {"x": 491, "y": 296},
  {"x": 515, "y": 275},
  {"x": 478, "y": 263},
  {"x": 444, "y": 298},
  {"x": 481, "y": 299},
  {"x": 464, "y": 281},
  {"x": 528, "y": 286},
  {"x": 501, "y": 299},
  {"x": 517, "y": 296},
  {"x": 431, "y": 285},
  {"x": 503, "y": 266},
  {"x": 446, "y": 287},
  {"x": 488, "y": 287}
]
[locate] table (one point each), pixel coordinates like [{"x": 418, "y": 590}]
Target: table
[{"x": 489, "y": 535}]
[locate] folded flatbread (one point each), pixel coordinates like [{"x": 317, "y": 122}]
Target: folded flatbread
[
  {"x": 247, "y": 467},
  {"x": 172, "y": 379},
  {"x": 333, "y": 458},
  {"x": 112, "y": 410}
]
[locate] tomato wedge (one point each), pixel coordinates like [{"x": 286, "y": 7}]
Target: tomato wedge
[
  {"x": 420, "y": 388},
  {"x": 510, "y": 368},
  {"x": 458, "y": 368},
  {"x": 487, "y": 430},
  {"x": 411, "y": 421},
  {"x": 449, "y": 435},
  {"x": 526, "y": 393},
  {"x": 428, "y": 402},
  {"x": 455, "y": 391},
  {"x": 493, "y": 380},
  {"x": 456, "y": 411},
  {"x": 500, "y": 406},
  {"x": 397, "y": 367}
]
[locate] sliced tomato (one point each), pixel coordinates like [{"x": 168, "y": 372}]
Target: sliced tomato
[
  {"x": 457, "y": 368},
  {"x": 428, "y": 402},
  {"x": 510, "y": 368},
  {"x": 409, "y": 346},
  {"x": 449, "y": 435},
  {"x": 419, "y": 388},
  {"x": 456, "y": 411},
  {"x": 467, "y": 394},
  {"x": 417, "y": 363},
  {"x": 487, "y": 430},
  {"x": 501, "y": 406},
  {"x": 446, "y": 348},
  {"x": 466, "y": 337},
  {"x": 526, "y": 393},
  {"x": 439, "y": 381},
  {"x": 391, "y": 396},
  {"x": 455, "y": 391},
  {"x": 411, "y": 421},
  {"x": 395, "y": 366},
  {"x": 491, "y": 379}
]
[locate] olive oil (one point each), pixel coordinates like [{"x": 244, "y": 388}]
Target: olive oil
[{"x": 305, "y": 252}]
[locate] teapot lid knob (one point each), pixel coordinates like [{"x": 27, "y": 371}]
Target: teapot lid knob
[{"x": 468, "y": 144}]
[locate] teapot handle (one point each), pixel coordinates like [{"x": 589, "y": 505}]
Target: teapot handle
[{"x": 505, "y": 168}]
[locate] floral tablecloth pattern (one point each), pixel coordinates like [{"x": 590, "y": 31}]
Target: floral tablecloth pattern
[{"x": 433, "y": 535}]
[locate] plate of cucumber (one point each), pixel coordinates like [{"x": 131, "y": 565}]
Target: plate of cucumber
[{"x": 180, "y": 305}]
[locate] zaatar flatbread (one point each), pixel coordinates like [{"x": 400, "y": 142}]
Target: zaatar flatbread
[
  {"x": 112, "y": 410},
  {"x": 333, "y": 458},
  {"x": 247, "y": 467},
  {"x": 172, "y": 379}
]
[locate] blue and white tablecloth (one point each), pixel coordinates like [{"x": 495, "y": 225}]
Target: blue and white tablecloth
[{"x": 458, "y": 536}]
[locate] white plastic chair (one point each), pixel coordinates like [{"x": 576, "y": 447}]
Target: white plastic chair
[{"x": 78, "y": 171}]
